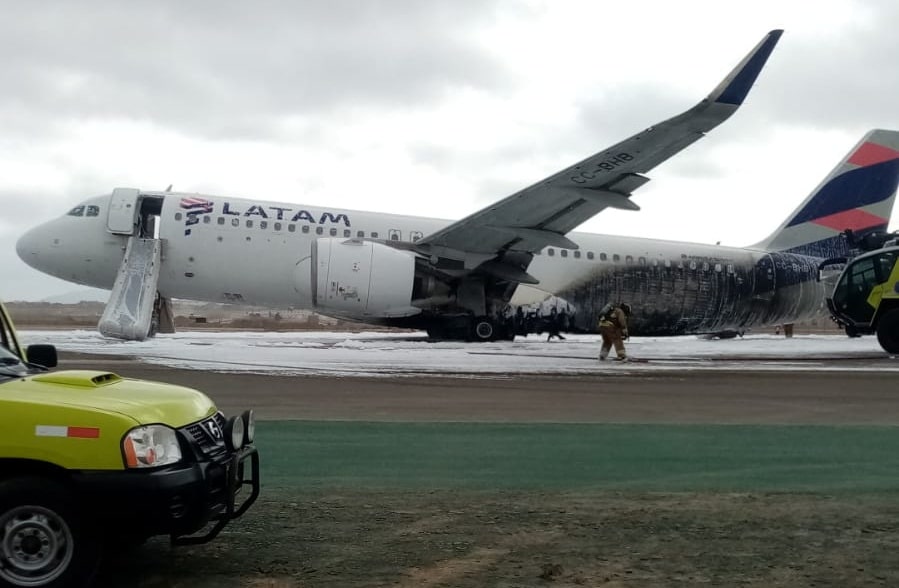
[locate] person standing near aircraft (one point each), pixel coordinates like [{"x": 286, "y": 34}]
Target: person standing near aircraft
[
  {"x": 613, "y": 328},
  {"x": 554, "y": 325}
]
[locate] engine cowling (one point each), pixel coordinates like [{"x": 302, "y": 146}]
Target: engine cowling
[{"x": 362, "y": 279}]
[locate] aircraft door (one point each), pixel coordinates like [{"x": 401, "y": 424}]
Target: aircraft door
[
  {"x": 123, "y": 210},
  {"x": 765, "y": 278}
]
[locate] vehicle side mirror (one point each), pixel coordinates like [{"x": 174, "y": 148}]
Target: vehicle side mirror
[{"x": 43, "y": 355}]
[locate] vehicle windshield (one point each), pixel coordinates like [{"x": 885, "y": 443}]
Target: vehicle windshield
[
  {"x": 10, "y": 365},
  {"x": 852, "y": 291}
]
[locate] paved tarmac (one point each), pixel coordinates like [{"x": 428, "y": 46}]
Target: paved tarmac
[{"x": 728, "y": 397}]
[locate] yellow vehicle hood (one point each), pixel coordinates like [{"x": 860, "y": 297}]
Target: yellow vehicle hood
[{"x": 145, "y": 402}]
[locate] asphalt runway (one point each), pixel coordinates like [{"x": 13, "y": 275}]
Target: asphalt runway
[{"x": 742, "y": 396}]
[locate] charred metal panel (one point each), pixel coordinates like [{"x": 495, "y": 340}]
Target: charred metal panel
[{"x": 701, "y": 294}]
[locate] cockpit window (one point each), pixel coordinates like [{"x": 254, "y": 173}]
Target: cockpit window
[
  {"x": 93, "y": 210},
  {"x": 77, "y": 211}
]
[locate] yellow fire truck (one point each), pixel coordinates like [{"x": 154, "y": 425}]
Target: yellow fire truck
[
  {"x": 865, "y": 299},
  {"x": 88, "y": 458}
]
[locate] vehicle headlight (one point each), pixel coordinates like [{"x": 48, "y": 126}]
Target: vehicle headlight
[
  {"x": 249, "y": 425},
  {"x": 151, "y": 446},
  {"x": 234, "y": 431}
]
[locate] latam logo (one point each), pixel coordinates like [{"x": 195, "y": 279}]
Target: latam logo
[
  {"x": 195, "y": 207},
  {"x": 282, "y": 213}
]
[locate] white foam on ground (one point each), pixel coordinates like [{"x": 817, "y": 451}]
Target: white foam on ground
[{"x": 391, "y": 354}]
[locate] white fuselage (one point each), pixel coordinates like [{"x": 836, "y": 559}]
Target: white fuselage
[{"x": 237, "y": 250}]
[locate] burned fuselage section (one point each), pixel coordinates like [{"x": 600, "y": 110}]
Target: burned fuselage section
[{"x": 702, "y": 293}]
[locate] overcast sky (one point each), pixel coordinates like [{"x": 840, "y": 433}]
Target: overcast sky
[{"x": 430, "y": 108}]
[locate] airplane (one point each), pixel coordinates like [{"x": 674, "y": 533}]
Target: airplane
[{"x": 459, "y": 280}]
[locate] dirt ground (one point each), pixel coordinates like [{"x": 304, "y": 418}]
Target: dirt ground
[
  {"x": 358, "y": 536},
  {"x": 413, "y": 540}
]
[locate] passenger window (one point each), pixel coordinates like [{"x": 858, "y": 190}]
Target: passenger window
[
  {"x": 249, "y": 224},
  {"x": 305, "y": 228},
  {"x": 563, "y": 252},
  {"x": 718, "y": 267},
  {"x": 616, "y": 258},
  {"x": 374, "y": 234},
  {"x": 291, "y": 228},
  {"x": 221, "y": 220},
  {"x": 551, "y": 252},
  {"x": 206, "y": 220},
  {"x": 577, "y": 254},
  {"x": 319, "y": 230},
  {"x": 589, "y": 255},
  {"x": 77, "y": 211},
  {"x": 93, "y": 210},
  {"x": 603, "y": 257},
  {"x": 629, "y": 260},
  {"x": 277, "y": 226},
  {"x": 347, "y": 232},
  {"x": 333, "y": 232},
  {"x": 177, "y": 216},
  {"x": 360, "y": 234},
  {"x": 235, "y": 222},
  {"x": 641, "y": 260},
  {"x": 263, "y": 224},
  {"x": 416, "y": 235}
]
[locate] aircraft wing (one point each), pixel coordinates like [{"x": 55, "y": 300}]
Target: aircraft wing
[{"x": 540, "y": 215}]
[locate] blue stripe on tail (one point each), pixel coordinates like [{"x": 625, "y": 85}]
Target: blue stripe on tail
[{"x": 854, "y": 189}]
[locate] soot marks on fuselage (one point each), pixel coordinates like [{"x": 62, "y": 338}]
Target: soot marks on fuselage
[{"x": 702, "y": 294}]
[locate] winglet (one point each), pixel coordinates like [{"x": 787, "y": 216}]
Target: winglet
[{"x": 736, "y": 85}]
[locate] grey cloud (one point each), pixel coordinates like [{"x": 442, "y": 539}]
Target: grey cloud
[
  {"x": 846, "y": 83},
  {"x": 226, "y": 69}
]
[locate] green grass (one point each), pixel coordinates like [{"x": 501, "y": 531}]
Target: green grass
[{"x": 662, "y": 458}]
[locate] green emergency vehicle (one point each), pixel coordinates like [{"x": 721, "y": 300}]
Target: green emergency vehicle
[
  {"x": 89, "y": 459},
  {"x": 865, "y": 299}
]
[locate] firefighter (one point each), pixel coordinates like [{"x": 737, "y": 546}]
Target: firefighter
[{"x": 613, "y": 328}]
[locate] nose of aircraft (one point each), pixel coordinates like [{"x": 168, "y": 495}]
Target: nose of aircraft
[{"x": 33, "y": 245}]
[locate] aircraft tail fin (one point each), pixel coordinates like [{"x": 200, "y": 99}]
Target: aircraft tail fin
[{"x": 858, "y": 195}]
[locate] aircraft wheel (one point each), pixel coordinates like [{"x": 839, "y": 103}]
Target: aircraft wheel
[
  {"x": 482, "y": 329},
  {"x": 888, "y": 331},
  {"x": 43, "y": 541}
]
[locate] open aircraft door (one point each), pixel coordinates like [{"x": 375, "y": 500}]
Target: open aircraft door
[{"x": 123, "y": 211}]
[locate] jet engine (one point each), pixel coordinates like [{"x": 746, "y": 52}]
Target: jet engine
[{"x": 362, "y": 279}]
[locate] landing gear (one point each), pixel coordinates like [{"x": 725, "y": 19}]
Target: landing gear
[
  {"x": 482, "y": 329},
  {"x": 475, "y": 329}
]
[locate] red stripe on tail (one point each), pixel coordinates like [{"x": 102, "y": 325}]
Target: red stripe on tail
[
  {"x": 854, "y": 219},
  {"x": 871, "y": 153}
]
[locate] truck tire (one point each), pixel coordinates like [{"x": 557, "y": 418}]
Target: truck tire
[
  {"x": 43, "y": 541},
  {"x": 888, "y": 331}
]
